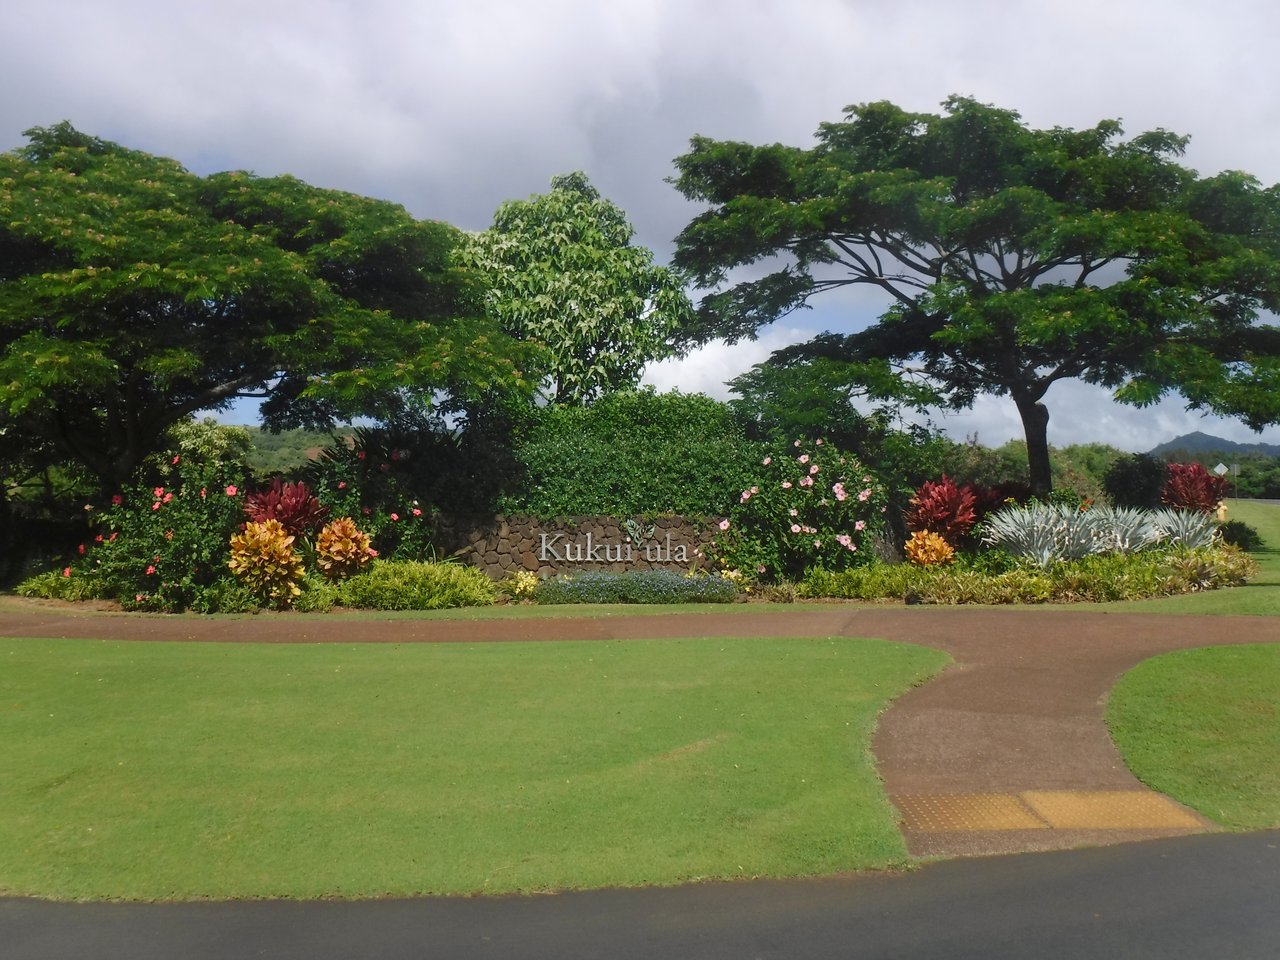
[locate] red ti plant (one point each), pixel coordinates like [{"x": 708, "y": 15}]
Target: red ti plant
[
  {"x": 1191, "y": 487},
  {"x": 944, "y": 509},
  {"x": 292, "y": 504}
]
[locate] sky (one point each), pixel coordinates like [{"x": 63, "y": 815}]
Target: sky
[{"x": 449, "y": 108}]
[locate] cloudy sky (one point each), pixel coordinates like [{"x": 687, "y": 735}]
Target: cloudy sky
[{"x": 452, "y": 107}]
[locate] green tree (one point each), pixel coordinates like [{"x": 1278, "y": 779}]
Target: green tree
[
  {"x": 562, "y": 272},
  {"x": 1012, "y": 257},
  {"x": 134, "y": 293}
]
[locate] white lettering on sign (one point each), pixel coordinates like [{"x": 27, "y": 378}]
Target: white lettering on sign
[{"x": 556, "y": 547}]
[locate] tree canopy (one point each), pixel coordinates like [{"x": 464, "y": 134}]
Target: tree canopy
[
  {"x": 134, "y": 293},
  {"x": 561, "y": 271},
  {"x": 1010, "y": 257}
]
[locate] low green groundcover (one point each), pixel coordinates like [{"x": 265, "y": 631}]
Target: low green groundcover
[
  {"x": 164, "y": 771},
  {"x": 1204, "y": 727}
]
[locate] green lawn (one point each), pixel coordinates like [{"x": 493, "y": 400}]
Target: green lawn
[
  {"x": 1204, "y": 727},
  {"x": 159, "y": 771}
]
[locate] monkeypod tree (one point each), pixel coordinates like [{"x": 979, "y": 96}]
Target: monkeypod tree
[
  {"x": 134, "y": 293},
  {"x": 562, "y": 272},
  {"x": 1010, "y": 257}
]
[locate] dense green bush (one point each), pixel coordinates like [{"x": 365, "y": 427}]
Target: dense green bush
[
  {"x": 319, "y": 595},
  {"x": 1136, "y": 481},
  {"x": 411, "y": 585},
  {"x": 633, "y": 453},
  {"x": 58, "y": 585},
  {"x": 636, "y": 586},
  {"x": 1237, "y": 533}
]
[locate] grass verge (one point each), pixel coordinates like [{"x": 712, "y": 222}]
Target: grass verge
[
  {"x": 1203, "y": 726},
  {"x": 172, "y": 771}
]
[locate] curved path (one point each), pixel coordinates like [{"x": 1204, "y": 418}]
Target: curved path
[{"x": 1007, "y": 750}]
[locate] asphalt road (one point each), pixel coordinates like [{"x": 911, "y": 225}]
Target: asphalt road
[{"x": 1207, "y": 896}]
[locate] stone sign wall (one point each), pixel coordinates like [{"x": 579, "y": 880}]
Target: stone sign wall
[{"x": 504, "y": 544}]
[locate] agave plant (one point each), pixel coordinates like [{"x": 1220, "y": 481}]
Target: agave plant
[
  {"x": 1188, "y": 527},
  {"x": 1131, "y": 528},
  {"x": 1047, "y": 532}
]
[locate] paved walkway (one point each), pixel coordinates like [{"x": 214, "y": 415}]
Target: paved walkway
[{"x": 1005, "y": 751}]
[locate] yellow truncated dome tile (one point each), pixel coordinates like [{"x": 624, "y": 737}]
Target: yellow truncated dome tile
[
  {"x": 944, "y": 812},
  {"x": 1108, "y": 810}
]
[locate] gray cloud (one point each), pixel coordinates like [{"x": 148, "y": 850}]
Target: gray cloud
[{"x": 452, "y": 107}]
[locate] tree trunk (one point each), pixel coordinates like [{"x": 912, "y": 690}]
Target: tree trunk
[{"x": 1035, "y": 425}]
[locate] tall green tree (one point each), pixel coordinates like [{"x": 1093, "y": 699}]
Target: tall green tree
[
  {"x": 562, "y": 272},
  {"x": 1010, "y": 257},
  {"x": 134, "y": 293}
]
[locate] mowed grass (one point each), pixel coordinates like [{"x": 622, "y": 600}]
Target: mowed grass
[
  {"x": 166, "y": 771},
  {"x": 1259, "y": 597},
  {"x": 1204, "y": 727}
]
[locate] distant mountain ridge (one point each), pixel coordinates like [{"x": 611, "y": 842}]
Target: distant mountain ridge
[{"x": 1205, "y": 443}]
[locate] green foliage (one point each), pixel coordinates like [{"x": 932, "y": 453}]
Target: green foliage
[
  {"x": 561, "y": 271},
  {"x": 636, "y": 586},
  {"x": 205, "y": 442},
  {"x": 631, "y": 454},
  {"x": 1237, "y": 533},
  {"x": 991, "y": 240},
  {"x": 175, "y": 293},
  {"x": 284, "y": 451},
  {"x": 1136, "y": 481},
  {"x": 225, "y": 595},
  {"x": 61, "y": 584},
  {"x": 372, "y": 477},
  {"x": 409, "y": 585},
  {"x": 319, "y": 595},
  {"x": 1254, "y": 475},
  {"x": 1092, "y": 579},
  {"x": 806, "y": 504}
]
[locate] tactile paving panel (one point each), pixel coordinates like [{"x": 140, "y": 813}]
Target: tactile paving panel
[
  {"x": 1108, "y": 810},
  {"x": 965, "y": 811}
]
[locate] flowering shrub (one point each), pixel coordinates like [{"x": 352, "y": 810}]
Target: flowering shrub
[
  {"x": 1191, "y": 487},
  {"x": 809, "y": 505},
  {"x": 943, "y": 508},
  {"x": 342, "y": 550},
  {"x": 292, "y": 504},
  {"x": 521, "y": 584},
  {"x": 161, "y": 547},
  {"x": 263, "y": 559},
  {"x": 926, "y": 548},
  {"x": 370, "y": 480}
]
